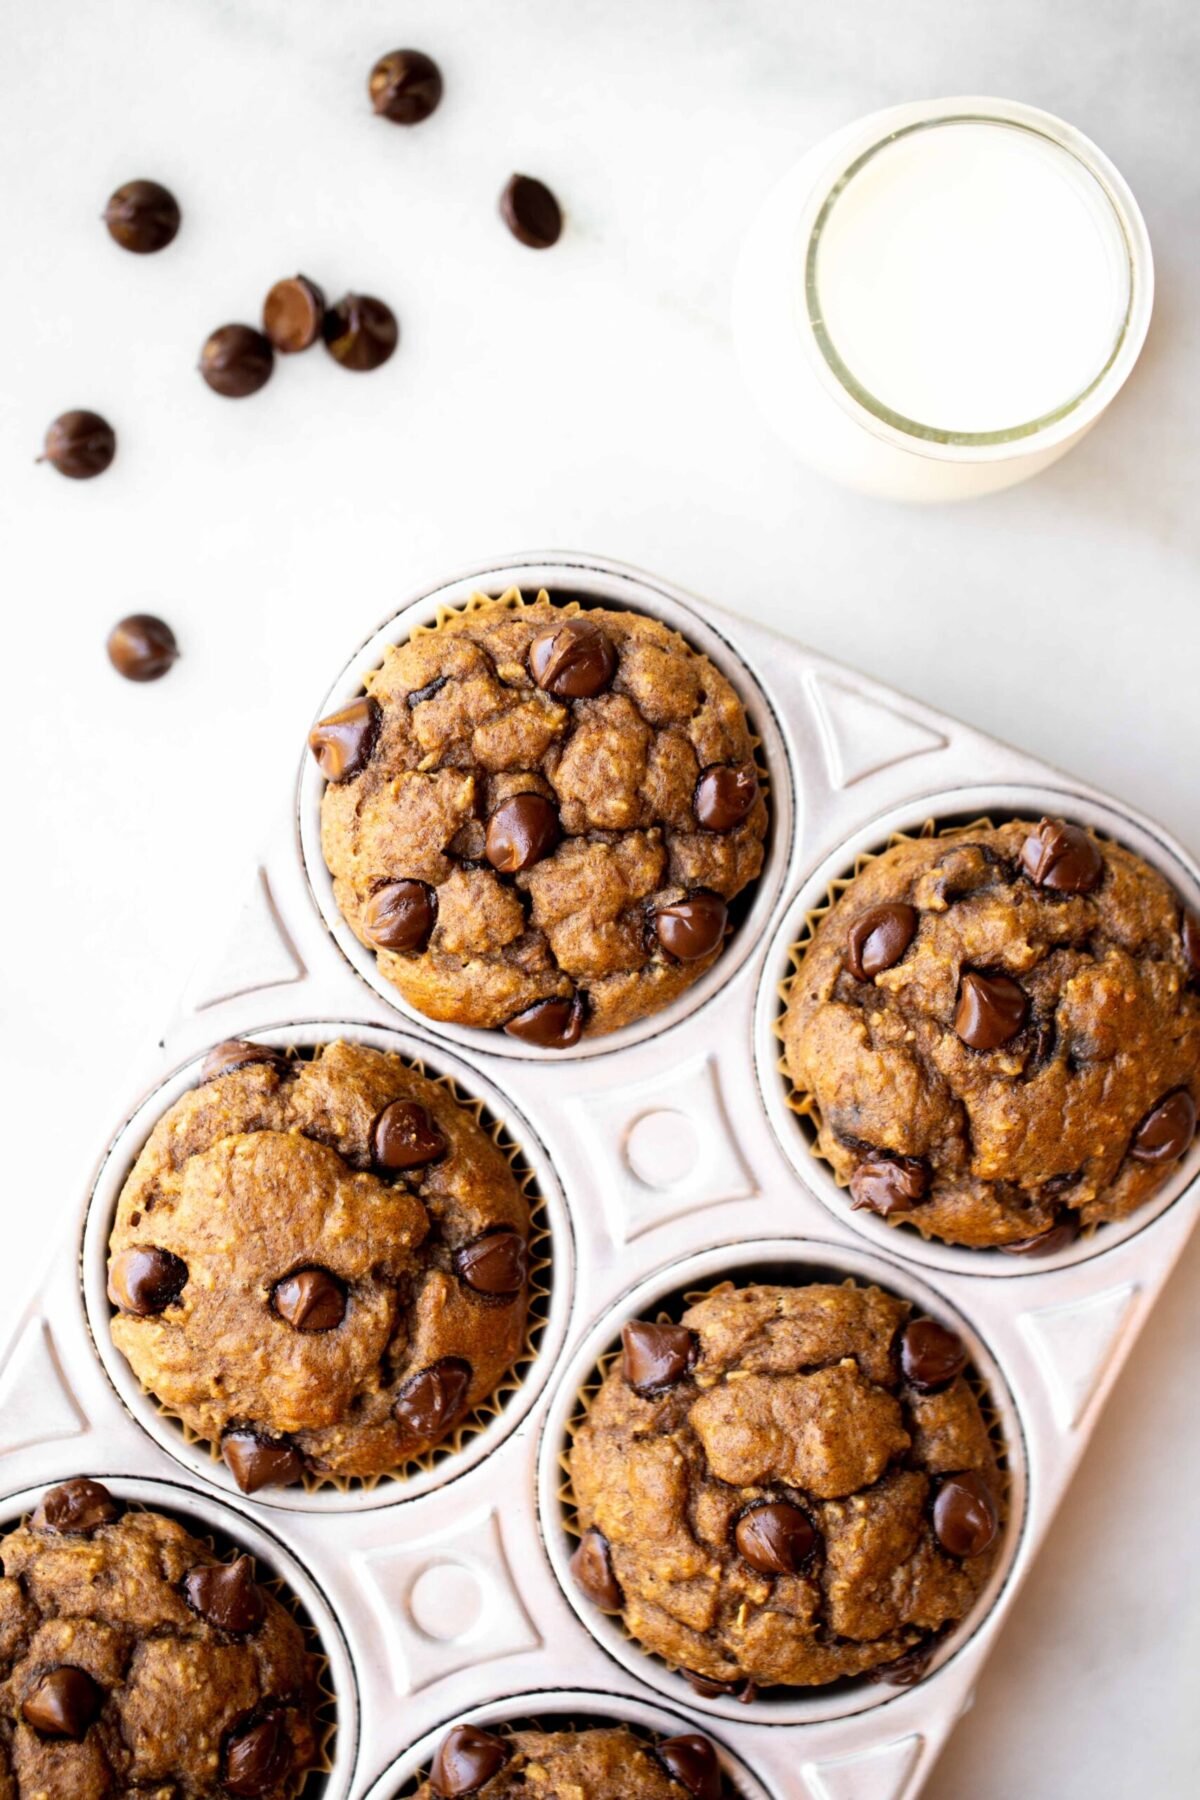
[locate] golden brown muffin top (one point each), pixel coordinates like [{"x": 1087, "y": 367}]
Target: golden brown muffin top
[{"x": 597, "y": 1763}]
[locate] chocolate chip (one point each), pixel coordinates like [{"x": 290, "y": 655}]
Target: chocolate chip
[
  {"x": 466, "y": 1760},
  {"x": 888, "y": 1184},
  {"x": 257, "y": 1757},
  {"x": 1189, "y": 932},
  {"x": 965, "y": 1515},
  {"x": 342, "y": 743},
  {"x": 708, "y": 1687},
  {"x": 930, "y": 1355},
  {"x": 292, "y": 314},
  {"x": 991, "y": 1010},
  {"x": 404, "y": 1136},
  {"x": 236, "y": 361},
  {"x": 878, "y": 939},
  {"x": 360, "y": 332},
  {"x": 1062, "y": 857},
  {"x": 496, "y": 1264},
  {"x": 691, "y": 1761},
  {"x": 573, "y": 661},
  {"x": 227, "y": 1595},
  {"x": 531, "y": 212},
  {"x": 725, "y": 795},
  {"x": 520, "y": 832},
  {"x": 145, "y": 1282},
  {"x": 554, "y": 1024},
  {"x": 692, "y": 928},
  {"x": 141, "y": 647},
  {"x": 400, "y": 915},
  {"x": 142, "y": 216},
  {"x": 63, "y": 1703},
  {"x": 656, "y": 1356},
  {"x": 908, "y": 1669},
  {"x": 79, "y": 445},
  {"x": 238, "y": 1053},
  {"x": 256, "y": 1462},
  {"x": 1166, "y": 1131},
  {"x": 593, "y": 1573},
  {"x": 430, "y": 1402},
  {"x": 405, "y": 86},
  {"x": 310, "y": 1300},
  {"x": 1045, "y": 1243},
  {"x": 75, "y": 1508},
  {"x": 775, "y": 1538}
]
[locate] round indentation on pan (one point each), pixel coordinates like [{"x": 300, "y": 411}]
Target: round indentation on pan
[
  {"x": 792, "y": 1262},
  {"x": 797, "y": 1138},
  {"x": 590, "y": 581},
  {"x": 231, "y": 1531},
  {"x": 562, "y": 1709},
  {"x": 553, "y": 1270}
]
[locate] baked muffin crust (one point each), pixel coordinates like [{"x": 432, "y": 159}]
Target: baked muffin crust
[{"x": 597, "y": 1763}]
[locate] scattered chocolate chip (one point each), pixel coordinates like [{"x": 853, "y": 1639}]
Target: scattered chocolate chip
[
  {"x": 775, "y": 1538},
  {"x": 708, "y": 1687},
  {"x": 521, "y": 832},
  {"x": 1045, "y": 1243},
  {"x": 257, "y": 1757},
  {"x": 342, "y": 743},
  {"x": 75, "y": 1508},
  {"x": 310, "y": 1300},
  {"x": 991, "y": 1010},
  {"x": 79, "y": 445},
  {"x": 531, "y": 212},
  {"x": 930, "y": 1355},
  {"x": 656, "y": 1356},
  {"x": 360, "y": 332},
  {"x": 496, "y": 1264},
  {"x": 256, "y": 1462},
  {"x": 430, "y": 1402},
  {"x": 692, "y": 928},
  {"x": 593, "y": 1573},
  {"x": 145, "y": 1282},
  {"x": 226, "y": 1594},
  {"x": 238, "y": 1053},
  {"x": 63, "y": 1703},
  {"x": 1165, "y": 1133},
  {"x": 888, "y": 1184},
  {"x": 405, "y": 86},
  {"x": 142, "y": 216},
  {"x": 404, "y": 1136},
  {"x": 552, "y": 1024},
  {"x": 691, "y": 1761},
  {"x": 292, "y": 314},
  {"x": 1062, "y": 857},
  {"x": 725, "y": 795},
  {"x": 400, "y": 915},
  {"x": 141, "y": 647},
  {"x": 466, "y": 1760},
  {"x": 908, "y": 1669},
  {"x": 965, "y": 1515},
  {"x": 236, "y": 361},
  {"x": 573, "y": 661},
  {"x": 1189, "y": 932},
  {"x": 878, "y": 939}
]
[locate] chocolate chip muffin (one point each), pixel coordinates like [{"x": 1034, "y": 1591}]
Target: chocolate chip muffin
[
  {"x": 134, "y": 1662},
  {"x": 320, "y": 1264},
  {"x": 538, "y": 815},
  {"x": 1000, "y": 1030},
  {"x": 791, "y": 1486},
  {"x": 600, "y": 1763}
]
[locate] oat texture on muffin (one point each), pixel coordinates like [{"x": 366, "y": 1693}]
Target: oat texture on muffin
[
  {"x": 537, "y": 817},
  {"x": 595, "y": 1763},
  {"x": 788, "y": 1487},
  {"x": 998, "y": 1033},
  {"x": 320, "y": 1264},
  {"x": 135, "y": 1662}
]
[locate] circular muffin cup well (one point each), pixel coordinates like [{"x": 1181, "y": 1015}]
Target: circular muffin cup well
[
  {"x": 793, "y": 1262},
  {"x": 944, "y": 811},
  {"x": 589, "y": 581},
  {"x": 484, "y": 1430}
]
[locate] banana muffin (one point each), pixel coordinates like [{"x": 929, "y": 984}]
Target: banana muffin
[
  {"x": 1000, "y": 1030},
  {"x": 538, "y": 815},
  {"x": 791, "y": 1486},
  {"x": 136, "y": 1665},
  {"x": 319, "y": 1263},
  {"x": 600, "y": 1763}
]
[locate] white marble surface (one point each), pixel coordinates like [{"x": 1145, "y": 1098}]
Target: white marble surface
[{"x": 585, "y": 398}]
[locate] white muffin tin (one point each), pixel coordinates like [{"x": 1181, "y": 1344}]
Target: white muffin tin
[{"x": 664, "y": 1154}]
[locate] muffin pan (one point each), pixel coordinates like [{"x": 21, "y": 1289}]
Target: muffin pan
[{"x": 664, "y": 1155}]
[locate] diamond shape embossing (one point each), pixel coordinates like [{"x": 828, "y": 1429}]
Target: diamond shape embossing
[
  {"x": 258, "y": 953},
  {"x": 860, "y": 735},
  {"x": 882, "y": 1774},
  {"x": 36, "y": 1405}
]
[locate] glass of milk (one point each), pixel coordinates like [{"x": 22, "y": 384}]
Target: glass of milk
[{"x": 940, "y": 299}]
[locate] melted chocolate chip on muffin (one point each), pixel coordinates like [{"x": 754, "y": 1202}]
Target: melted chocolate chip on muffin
[{"x": 599, "y": 1763}]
